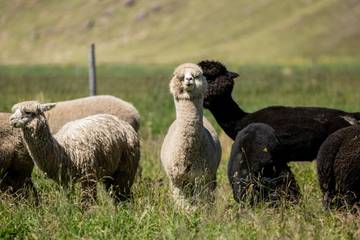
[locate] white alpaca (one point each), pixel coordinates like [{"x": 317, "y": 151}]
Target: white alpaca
[
  {"x": 191, "y": 151},
  {"x": 98, "y": 147}
]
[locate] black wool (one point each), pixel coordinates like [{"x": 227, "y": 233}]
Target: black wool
[
  {"x": 254, "y": 174},
  {"x": 300, "y": 130},
  {"x": 338, "y": 167}
]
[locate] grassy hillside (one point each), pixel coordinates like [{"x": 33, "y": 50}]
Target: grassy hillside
[{"x": 169, "y": 31}]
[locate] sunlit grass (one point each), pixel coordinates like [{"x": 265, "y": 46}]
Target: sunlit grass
[{"x": 151, "y": 214}]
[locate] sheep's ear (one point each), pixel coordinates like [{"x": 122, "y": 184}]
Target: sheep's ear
[{"x": 46, "y": 107}]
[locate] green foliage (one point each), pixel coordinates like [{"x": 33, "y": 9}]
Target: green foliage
[{"x": 151, "y": 214}]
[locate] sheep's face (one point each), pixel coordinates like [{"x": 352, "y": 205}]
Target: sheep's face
[
  {"x": 257, "y": 142},
  {"x": 188, "y": 82},
  {"x": 220, "y": 82},
  {"x": 28, "y": 114}
]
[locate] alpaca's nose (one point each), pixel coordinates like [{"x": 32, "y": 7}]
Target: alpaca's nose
[
  {"x": 189, "y": 81},
  {"x": 189, "y": 78}
]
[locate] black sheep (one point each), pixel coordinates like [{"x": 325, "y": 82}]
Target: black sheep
[
  {"x": 253, "y": 172},
  {"x": 299, "y": 130},
  {"x": 338, "y": 166}
]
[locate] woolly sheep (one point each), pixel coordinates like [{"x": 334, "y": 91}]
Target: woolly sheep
[
  {"x": 338, "y": 167},
  {"x": 15, "y": 162},
  {"x": 191, "y": 151},
  {"x": 253, "y": 172},
  {"x": 78, "y": 108},
  {"x": 98, "y": 147}
]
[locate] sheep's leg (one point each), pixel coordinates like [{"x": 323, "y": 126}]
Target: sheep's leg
[
  {"x": 289, "y": 185},
  {"x": 88, "y": 192},
  {"x": 119, "y": 186},
  {"x": 180, "y": 197},
  {"x": 19, "y": 186},
  {"x": 31, "y": 190},
  {"x": 207, "y": 189}
]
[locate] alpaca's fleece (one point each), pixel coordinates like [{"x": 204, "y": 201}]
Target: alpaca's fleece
[
  {"x": 253, "y": 172},
  {"x": 220, "y": 81},
  {"x": 338, "y": 167},
  {"x": 299, "y": 130},
  {"x": 79, "y": 108},
  {"x": 98, "y": 147},
  {"x": 16, "y": 164},
  {"x": 191, "y": 151}
]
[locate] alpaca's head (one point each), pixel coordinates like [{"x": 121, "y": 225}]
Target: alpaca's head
[
  {"x": 29, "y": 114},
  {"x": 188, "y": 82},
  {"x": 220, "y": 81}
]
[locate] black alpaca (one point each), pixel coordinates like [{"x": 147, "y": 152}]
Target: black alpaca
[
  {"x": 338, "y": 166},
  {"x": 300, "y": 130},
  {"x": 253, "y": 173}
]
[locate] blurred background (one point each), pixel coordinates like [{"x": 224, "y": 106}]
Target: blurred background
[{"x": 174, "y": 31}]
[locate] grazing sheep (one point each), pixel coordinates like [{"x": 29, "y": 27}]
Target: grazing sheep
[
  {"x": 253, "y": 172},
  {"x": 191, "y": 151},
  {"x": 98, "y": 147},
  {"x": 78, "y": 108},
  {"x": 338, "y": 167},
  {"x": 15, "y": 162},
  {"x": 300, "y": 130}
]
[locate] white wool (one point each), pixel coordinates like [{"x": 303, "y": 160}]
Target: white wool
[{"x": 191, "y": 151}]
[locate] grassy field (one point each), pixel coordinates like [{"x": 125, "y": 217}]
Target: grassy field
[
  {"x": 152, "y": 214},
  {"x": 163, "y": 31}
]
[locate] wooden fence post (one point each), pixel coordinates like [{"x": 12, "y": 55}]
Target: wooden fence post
[{"x": 92, "y": 70}]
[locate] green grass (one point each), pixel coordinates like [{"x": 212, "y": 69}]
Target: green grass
[
  {"x": 152, "y": 214},
  {"x": 174, "y": 31}
]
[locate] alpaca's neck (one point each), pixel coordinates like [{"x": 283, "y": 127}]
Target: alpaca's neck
[
  {"x": 227, "y": 113},
  {"x": 189, "y": 132},
  {"x": 46, "y": 152},
  {"x": 189, "y": 115}
]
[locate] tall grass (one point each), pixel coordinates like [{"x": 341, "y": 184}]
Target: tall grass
[{"x": 152, "y": 214}]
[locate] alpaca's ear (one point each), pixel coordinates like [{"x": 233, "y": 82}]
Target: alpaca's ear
[
  {"x": 232, "y": 75},
  {"x": 13, "y": 109},
  {"x": 46, "y": 107},
  {"x": 175, "y": 86}
]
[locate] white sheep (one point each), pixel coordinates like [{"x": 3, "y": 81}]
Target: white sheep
[
  {"x": 15, "y": 163},
  {"x": 191, "y": 151},
  {"x": 98, "y": 147},
  {"x": 70, "y": 110}
]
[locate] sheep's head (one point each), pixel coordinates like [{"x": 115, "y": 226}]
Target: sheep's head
[
  {"x": 258, "y": 142},
  {"x": 188, "y": 82},
  {"x": 220, "y": 82},
  {"x": 29, "y": 113}
]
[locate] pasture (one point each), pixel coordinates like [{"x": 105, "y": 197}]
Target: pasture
[{"x": 152, "y": 215}]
